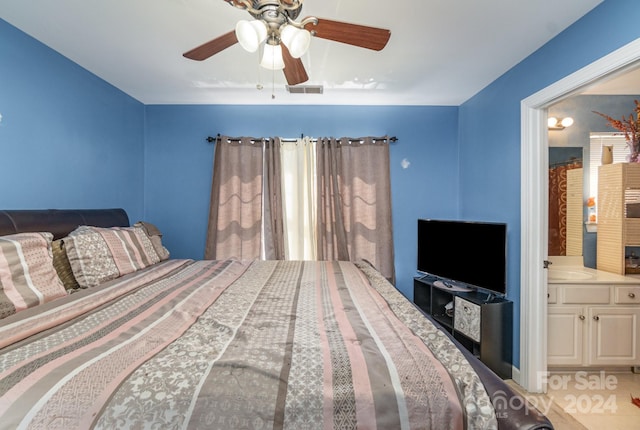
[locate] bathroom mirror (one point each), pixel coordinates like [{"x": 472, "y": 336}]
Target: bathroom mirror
[
  {"x": 565, "y": 200},
  {"x": 581, "y": 108}
]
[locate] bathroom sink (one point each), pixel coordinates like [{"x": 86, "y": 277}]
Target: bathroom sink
[{"x": 566, "y": 275}]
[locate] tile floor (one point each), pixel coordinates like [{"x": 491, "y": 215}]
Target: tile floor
[{"x": 597, "y": 400}]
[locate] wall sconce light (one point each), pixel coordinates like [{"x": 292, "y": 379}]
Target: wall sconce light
[{"x": 554, "y": 123}]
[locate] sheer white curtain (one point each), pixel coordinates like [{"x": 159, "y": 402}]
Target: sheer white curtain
[{"x": 298, "y": 160}]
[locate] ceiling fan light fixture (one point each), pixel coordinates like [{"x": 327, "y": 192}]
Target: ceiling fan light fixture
[
  {"x": 251, "y": 34},
  {"x": 285, "y": 39},
  {"x": 296, "y": 39},
  {"x": 272, "y": 57}
]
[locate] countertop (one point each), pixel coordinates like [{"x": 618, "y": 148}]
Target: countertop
[{"x": 568, "y": 270}]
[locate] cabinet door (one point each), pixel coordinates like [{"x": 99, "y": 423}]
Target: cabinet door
[
  {"x": 565, "y": 328},
  {"x": 614, "y": 336},
  {"x": 467, "y": 318}
]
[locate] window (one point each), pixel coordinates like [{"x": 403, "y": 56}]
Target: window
[
  {"x": 326, "y": 199},
  {"x": 621, "y": 153}
]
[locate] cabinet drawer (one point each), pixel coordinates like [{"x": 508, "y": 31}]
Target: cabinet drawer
[
  {"x": 552, "y": 294},
  {"x": 628, "y": 294},
  {"x": 586, "y": 294},
  {"x": 466, "y": 318}
]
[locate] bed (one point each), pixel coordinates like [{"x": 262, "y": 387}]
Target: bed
[{"x": 137, "y": 339}]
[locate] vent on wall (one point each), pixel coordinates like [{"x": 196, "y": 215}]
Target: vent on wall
[{"x": 305, "y": 89}]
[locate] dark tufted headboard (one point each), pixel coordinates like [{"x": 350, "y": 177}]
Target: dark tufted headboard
[{"x": 60, "y": 222}]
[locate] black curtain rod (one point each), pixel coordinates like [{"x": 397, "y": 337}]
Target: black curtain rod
[{"x": 211, "y": 139}]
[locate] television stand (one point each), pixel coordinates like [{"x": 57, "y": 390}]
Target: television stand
[{"x": 483, "y": 325}]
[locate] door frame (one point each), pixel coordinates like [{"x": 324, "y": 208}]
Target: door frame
[{"x": 534, "y": 160}]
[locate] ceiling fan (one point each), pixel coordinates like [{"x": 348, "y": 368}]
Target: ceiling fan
[{"x": 285, "y": 39}]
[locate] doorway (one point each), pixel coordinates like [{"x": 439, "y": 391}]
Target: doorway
[{"x": 534, "y": 204}]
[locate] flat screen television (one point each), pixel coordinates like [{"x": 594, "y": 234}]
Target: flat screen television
[{"x": 468, "y": 252}]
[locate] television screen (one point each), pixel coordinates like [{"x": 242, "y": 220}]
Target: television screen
[{"x": 468, "y": 252}]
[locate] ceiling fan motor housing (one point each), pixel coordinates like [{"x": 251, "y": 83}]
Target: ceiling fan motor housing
[
  {"x": 268, "y": 9},
  {"x": 275, "y": 16},
  {"x": 274, "y": 19}
]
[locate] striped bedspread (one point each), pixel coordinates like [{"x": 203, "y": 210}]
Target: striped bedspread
[{"x": 228, "y": 345}]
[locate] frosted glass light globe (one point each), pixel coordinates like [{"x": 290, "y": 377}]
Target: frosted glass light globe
[{"x": 251, "y": 34}]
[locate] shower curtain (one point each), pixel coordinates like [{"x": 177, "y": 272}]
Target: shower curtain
[{"x": 558, "y": 207}]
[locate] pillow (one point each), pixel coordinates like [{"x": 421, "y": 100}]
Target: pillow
[
  {"x": 62, "y": 266},
  {"x": 156, "y": 238},
  {"x": 27, "y": 275},
  {"x": 98, "y": 254}
]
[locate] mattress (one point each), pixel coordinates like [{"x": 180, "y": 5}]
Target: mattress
[{"x": 228, "y": 344}]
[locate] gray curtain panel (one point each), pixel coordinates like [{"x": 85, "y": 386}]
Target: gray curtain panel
[
  {"x": 236, "y": 213},
  {"x": 354, "y": 202}
]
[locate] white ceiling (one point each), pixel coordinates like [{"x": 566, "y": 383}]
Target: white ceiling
[{"x": 441, "y": 52}]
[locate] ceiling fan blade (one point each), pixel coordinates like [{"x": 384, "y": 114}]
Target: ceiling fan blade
[
  {"x": 212, "y": 47},
  {"x": 352, "y": 34},
  {"x": 294, "y": 70}
]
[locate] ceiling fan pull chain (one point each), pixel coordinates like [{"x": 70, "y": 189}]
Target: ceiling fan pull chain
[
  {"x": 273, "y": 84},
  {"x": 259, "y": 85}
]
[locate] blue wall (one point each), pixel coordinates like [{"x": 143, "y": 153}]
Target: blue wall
[
  {"x": 68, "y": 139},
  {"x": 179, "y": 162},
  {"x": 490, "y": 123},
  {"x": 84, "y": 143}
]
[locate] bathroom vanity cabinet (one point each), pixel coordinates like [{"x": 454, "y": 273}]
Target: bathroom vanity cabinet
[{"x": 593, "y": 325}]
